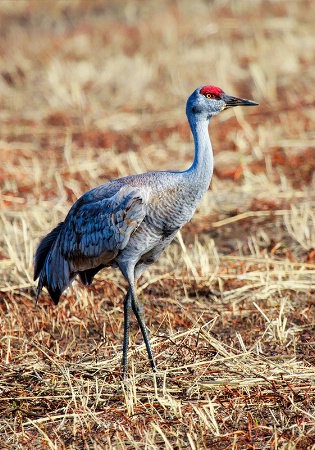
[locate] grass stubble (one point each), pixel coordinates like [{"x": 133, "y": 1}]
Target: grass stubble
[{"x": 92, "y": 91}]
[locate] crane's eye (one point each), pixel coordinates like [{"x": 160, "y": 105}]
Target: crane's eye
[{"x": 208, "y": 95}]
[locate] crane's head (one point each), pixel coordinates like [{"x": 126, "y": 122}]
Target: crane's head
[{"x": 207, "y": 101}]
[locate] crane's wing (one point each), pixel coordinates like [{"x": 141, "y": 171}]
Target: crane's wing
[{"x": 96, "y": 228}]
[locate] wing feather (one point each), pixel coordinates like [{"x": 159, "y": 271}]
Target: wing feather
[
  {"x": 94, "y": 231},
  {"x": 103, "y": 227}
]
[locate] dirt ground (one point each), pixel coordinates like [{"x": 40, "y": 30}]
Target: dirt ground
[{"x": 94, "y": 90}]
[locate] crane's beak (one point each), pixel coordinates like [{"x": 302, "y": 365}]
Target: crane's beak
[{"x": 230, "y": 101}]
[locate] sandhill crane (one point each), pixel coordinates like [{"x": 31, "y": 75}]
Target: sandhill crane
[{"x": 128, "y": 222}]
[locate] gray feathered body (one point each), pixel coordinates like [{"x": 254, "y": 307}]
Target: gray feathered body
[{"x": 127, "y": 223}]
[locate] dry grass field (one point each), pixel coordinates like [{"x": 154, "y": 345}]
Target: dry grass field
[{"x": 94, "y": 90}]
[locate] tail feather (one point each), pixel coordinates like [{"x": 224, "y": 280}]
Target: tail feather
[
  {"x": 54, "y": 293},
  {"x": 55, "y": 289},
  {"x": 51, "y": 267},
  {"x": 44, "y": 248}
]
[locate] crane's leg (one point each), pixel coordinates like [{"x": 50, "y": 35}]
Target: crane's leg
[
  {"x": 138, "y": 310},
  {"x": 127, "y": 308},
  {"x": 132, "y": 273}
]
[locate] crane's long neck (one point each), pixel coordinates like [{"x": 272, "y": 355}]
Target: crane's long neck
[{"x": 202, "y": 168}]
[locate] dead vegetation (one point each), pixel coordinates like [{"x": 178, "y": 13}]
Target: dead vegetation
[{"x": 92, "y": 90}]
